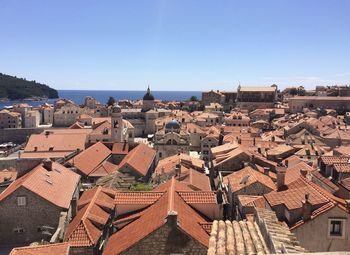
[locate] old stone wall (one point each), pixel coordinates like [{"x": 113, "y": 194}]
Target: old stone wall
[
  {"x": 167, "y": 240},
  {"x": 18, "y": 135},
  {"x": 30, "y": 217}
]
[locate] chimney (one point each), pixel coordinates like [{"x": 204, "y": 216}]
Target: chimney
[
  {"x": 219, "y": 196},
  {"x": 307, "y": 208},
  {"x": 286, "y": 162},
  {"x": 47, "y": 164},
  {"x": 266, "y": 170},
  {"x": 347, "y": 205},
  {"x": 74, "y": 205},
  {"x": 124, "y": 145},
  {"x": 178, "y": 170},
  {"x": 259, "y": 150},
  {"x": 281, "y": 175},
  {"x": 303, "y": 172}
]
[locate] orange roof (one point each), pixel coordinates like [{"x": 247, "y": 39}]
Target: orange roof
[
  {"x": 155, "y": 216},
  {"x": 292, "y": 197},
  {"x": 194, "y": 197},
  {"x": 129, "y": 198},
  {"x": 120, "y": 148},
  {"x": 330, "y": 160},
  {"x": 52, "y": 249},
  {"x": 90, "y": 159},
  {"x": 293, "y": 172},
  {"x": 247, "y": 176},
  {"x": 342, "y": 168},
  {"x": 62, "y": 143},
  {"x": 168, "y": 164},
  {"x": 140, "y": 158},
  {"x": 56, "y": 186},
  {"x": 95, "y": 207}
]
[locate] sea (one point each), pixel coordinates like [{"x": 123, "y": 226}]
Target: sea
[{"x": 102, "y": 96}]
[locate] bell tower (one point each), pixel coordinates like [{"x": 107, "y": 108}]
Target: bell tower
[{"x": 117, "y": 128}]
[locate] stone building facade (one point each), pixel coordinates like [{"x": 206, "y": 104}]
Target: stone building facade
[
  {"x": 298, "y": 103},
  {"x": 168, "y": 239},
  {"x": 251, "y": 98}
]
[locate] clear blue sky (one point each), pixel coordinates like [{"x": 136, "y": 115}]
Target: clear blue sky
[{"x": 176, "y": 45}]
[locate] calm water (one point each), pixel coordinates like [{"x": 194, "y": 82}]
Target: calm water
[{"x": 102, "y": 96}]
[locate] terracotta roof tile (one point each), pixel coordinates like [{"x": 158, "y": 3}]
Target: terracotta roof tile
[
  {"x": 140, "y": 158},
  {"x": 247, "y": 176},
  {"x": 95, "y": 207},
  {"x": 91, "y": 158},
  {"x": 342, "y": 168},
  {"x": 52, "y": 249},
  {"x": 56, "y": 186},
  {"x": 63, "y": 143},
  {"x": 130, "y": 198},
  {"x": 153, "y": 217},
  {"x": 193, "y": 197},
  {"x": 120, "y": 148}
]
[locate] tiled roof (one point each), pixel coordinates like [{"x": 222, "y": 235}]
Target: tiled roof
[
  {"x": 222, "y": 158},
  {"x": 314, "y": 214},
  {"x": 140, "y": 158},
  {"x": 48, "y": 249},
  {"x": 91, "y": 158},
  {"x": 104, "y": 169},
  {"x": 56, "y": 186},
  {"x": 170, "y": 204},
  {"x": 258, "y": 89},
  {"x": 325, "y": 181},
  {"x": 342, "y": 168},
  {"x": 250, "y": 200},
  {"x": 168, "y": 164},
  {"x": 293, "y": 172},
  {"x": 129, "y": 198},
  {"x": 120, "y": 148},
  {"x": 41, "y": 145},
  {"x": 95, "y": 207},
  {"x": 292, "y": 198},
  {"x": 193, "y": 197},
  {"x": 247, "y": 176},
  {"x": 330, "y": 160},
  {"x": 235, "y": 237}
]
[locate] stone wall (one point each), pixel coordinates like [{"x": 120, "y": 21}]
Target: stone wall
[
  {"x": 22, "y": 165},
  {"x": 36, "y": 213},
  {"x": 18, "y": 135},
  {"x": 167, "y": 240}
]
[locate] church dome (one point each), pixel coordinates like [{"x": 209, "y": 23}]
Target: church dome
[
  {"x": 148, "y": 95},
  {"x": 173, "y": 124}
]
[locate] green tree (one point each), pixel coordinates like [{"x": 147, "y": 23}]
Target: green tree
[
  {"x": 193, "y": 98},
  {"x": 111, "y": 101}
]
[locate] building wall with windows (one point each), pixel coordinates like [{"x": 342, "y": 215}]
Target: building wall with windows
[
  {"x": 298, "y": 103},
  {"x": 10, "y": 119},
  {"x": 316, "y": 234},
  {"x": 22, "y": 224}
]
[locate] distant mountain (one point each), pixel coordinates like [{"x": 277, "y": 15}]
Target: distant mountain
[{"x": 14, "y": 88}]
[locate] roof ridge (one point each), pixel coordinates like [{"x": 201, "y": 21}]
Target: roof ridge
[
  {"x": 92, "y": 202},
  {"x": 171, "y": 200}
]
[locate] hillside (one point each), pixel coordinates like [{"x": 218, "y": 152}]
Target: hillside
[{"x": 14, "y": 88}]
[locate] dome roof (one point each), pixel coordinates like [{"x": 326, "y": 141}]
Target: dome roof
[
  {"x": 148, "y": 95},
  {"x": 173, "y": 124}
]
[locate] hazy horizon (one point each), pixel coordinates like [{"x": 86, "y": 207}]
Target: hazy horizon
[{"x": 176, "y": 45}]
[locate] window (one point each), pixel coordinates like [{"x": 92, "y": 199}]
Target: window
[
  {"x": 21, "y": 201},
  {"x": 336, "y": 227},
  {"x": 18, "y": 230}
]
